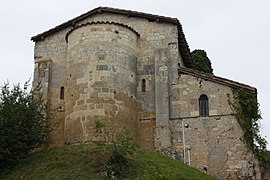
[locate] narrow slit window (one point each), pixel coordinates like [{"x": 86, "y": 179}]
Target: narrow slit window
[
  {"x": 204, "y": 106},
  {"x": 143, "y": 85},
  {"x": 62, "y": 92}
]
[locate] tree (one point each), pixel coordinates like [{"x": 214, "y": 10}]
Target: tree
[
  {"x": 201, "y": 61},
  {"x": 23, "y": 125}
]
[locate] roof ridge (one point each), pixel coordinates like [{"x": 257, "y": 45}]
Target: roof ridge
[
  {"x": 182, "y": 43},
  {"x": 215, "y": 78},
  {"x": 100, "y": 9}
]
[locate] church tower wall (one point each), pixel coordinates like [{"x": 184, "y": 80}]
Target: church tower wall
[
  {"x": 101, "y": 79},
  {"x": 50, "y": 73}
]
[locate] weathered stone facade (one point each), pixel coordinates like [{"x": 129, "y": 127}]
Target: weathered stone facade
[
  {"x": 215, "y": 140},
  {"x": 132, "y": 70}
]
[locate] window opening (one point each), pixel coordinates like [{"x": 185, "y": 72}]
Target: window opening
[
  {"x": 204, "y": 106},
  {"x": 62, "y": 92},
  {"x": 143, "y": 85}
]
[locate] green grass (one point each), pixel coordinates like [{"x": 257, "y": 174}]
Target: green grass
[{"x": 87, "y": 161}]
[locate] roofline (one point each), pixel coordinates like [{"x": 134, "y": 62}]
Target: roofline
[
  {"x": 183, "y": 46},
  {"x": 217, "y": 79}
]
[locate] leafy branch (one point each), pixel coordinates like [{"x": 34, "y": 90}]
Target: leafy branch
[{"x": 247, "y": 113}]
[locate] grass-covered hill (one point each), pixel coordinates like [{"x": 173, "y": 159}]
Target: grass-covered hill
[{"x": 87, "y": 162}]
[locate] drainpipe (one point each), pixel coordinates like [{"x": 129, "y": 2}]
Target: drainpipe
[
  {"x": 184, "y": 145},
  {"x": 189, "y": 155}
]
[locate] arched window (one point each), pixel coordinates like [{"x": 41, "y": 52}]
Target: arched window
[
  {"x": 203, "y": 106},
  {"x": 143, "y": 85},
  {"x": 62, "y": 92}
]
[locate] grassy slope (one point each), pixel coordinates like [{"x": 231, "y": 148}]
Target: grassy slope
[{"x": 84, "y": 161}]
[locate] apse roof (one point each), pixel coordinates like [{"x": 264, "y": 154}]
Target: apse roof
[{"x": 182, "y": 43}]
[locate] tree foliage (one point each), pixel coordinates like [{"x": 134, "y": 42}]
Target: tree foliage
[
  {"x": 247, "y": 113},
  {"x": 22, "y": 123},
  {"x": 201, "y": 61}
]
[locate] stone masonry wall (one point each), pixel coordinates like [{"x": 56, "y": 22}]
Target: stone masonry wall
[
  {"x": 53, "y": 49},
  {"x": 101, "y": 84},
  {"x": 215, "y": 141},
  {"x": 152, "y": 36}
]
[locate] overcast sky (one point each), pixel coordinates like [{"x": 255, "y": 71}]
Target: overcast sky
[{"x": 234, "y": 33}]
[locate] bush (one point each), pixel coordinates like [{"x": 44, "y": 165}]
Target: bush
[
  {"x": 22, "y": 123},
  {"x": 120, "y": 145}
]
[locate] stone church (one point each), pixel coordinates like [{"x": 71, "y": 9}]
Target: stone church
[{"x": 132, "y": 69}]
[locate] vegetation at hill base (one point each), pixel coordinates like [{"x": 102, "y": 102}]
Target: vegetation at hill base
[
  {"x": 87, "y": 162},
  {"x": 23, "y": 126}
]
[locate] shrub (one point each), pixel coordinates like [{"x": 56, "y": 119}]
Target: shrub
[
  {"x": 22, "y": 123},
  {"x": 120, "y": 145}
]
